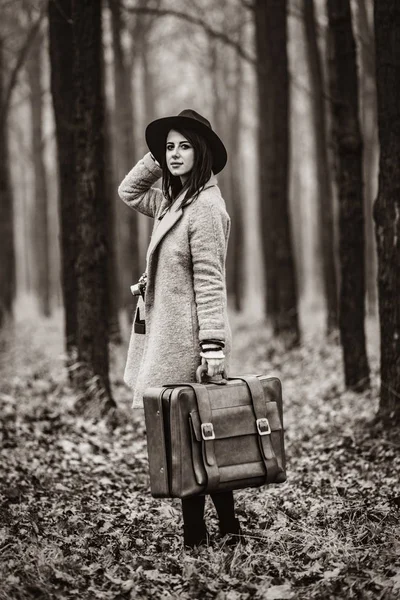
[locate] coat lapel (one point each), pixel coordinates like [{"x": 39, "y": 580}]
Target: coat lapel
[
  {"x": 167, "y": 222},
  {"x": 169, "y": 219}
]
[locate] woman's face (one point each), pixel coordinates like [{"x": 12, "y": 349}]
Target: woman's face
[{"x": 179, "y": 155}]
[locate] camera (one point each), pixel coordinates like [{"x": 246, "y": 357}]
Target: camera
[{"x": 139, "y": 288}]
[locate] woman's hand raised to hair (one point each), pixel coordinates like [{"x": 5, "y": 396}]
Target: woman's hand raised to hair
[{"x": 156, "y": 161}]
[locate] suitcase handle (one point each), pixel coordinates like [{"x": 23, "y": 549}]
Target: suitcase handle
[{"x": 218, "y": 379}]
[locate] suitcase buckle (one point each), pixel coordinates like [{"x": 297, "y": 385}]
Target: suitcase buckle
[
  {"x": 207, "y": 431},
  {"x": 263, "y": 426}
]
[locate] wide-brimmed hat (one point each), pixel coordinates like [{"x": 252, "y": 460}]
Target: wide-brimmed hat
[{"x": 157, "y": 131}]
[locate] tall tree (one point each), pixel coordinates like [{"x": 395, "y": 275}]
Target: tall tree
[
  {"x": 149, "y": 95},
  {"x": 143, "y": 47},
  {"x": 348, "y": 147},
  {"x": 91, "y": 208},
  {"x": 370, "y": 134},
  {"x": 226, "y": 80},
  {"x": 387, "y": 205},
  {"x": 62, "y": 89},
  {"x": 8, "y": 81},
  {"x": 324, "y": 181},
  {"x": 273, "y": 145},
  {"x": 41, "y": 225},
  {"x": 237, "y": 223},
  {"x": 7, "y": 268},
  {"x": 113, "y": 272},
  {"x": 127, "y": 220}
]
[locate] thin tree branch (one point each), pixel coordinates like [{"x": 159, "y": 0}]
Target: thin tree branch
[
  {"x": 19, "y": 64},
  {"x": 15, "y": 104},
  {"x": 61, "y": 11},
  {"x": 5, "y": 5},
  {"x": 247, "y": 4},
  {"x": 219, "y": 35}
]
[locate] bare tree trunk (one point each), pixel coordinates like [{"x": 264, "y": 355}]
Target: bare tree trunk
[
  {"x": 114, "y": 330},
  {"x": 7, "y": 264},
  {"x": 348, "y": 142},
  {"x": 273, "y": 93},
  {"x": 265, "y": 129},
  {"x": 325, "y": 197},
  {"x": 237, "y": 222},
  {"x": 298, "y": 240},
  {"x": 138, "y": 64},
  {"x": 41, "y": 225},
  {"x": 150, "y": 111},
  {"x": 219, "y": 74},
  {"x": 22, "y": 224},
  {"x": 62, "y": 89},
  {"x": 387, "y": 205},
  {"x": 92, "y": 238},
  {"x": 369, "y": 129},
  {"x": 227, "y": 81},
  {"x": 222, "y": 108},
  {"x": 127, "y": 219}
]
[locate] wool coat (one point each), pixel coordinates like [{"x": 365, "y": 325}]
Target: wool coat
[{"x": 185, "y": 300}]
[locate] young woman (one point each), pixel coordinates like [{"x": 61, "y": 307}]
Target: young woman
[{"x": 181, "y": 317}]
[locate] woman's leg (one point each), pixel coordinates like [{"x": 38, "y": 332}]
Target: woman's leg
[
  {"x": 225, "y": 507},
  {"x": 194, "y": 528}
]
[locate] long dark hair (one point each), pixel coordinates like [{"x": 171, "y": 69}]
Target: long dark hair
[{"x": 198, "y": 176}]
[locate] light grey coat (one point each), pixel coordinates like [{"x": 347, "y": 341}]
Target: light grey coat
[{"x": 185, "y": 299}]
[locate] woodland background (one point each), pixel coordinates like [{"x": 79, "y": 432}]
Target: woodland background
[{"x": 306, "y": 95}]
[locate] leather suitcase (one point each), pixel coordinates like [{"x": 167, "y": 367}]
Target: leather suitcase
[{"x": 205, "y": 438}]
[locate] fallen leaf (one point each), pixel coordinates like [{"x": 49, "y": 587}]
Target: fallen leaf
[{"x": 278, "y": 592}]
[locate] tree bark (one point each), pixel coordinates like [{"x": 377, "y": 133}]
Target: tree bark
[
  {"x": 150, "y": 105},
  {"x": 369, "y": 129},
  {"x": 324, "y": 189},
  {"x": 273, "y": 143},
  {"x": 7, "y": 268},
  {"x": 62, "y": 89},
  {"x": 237, "y": 223},
  {"x": 41, "y": 224},
  {"x": 265, "y": 127},
  {"x": 387, "y": 205},
  {"x": 150, "y": 111},
  {"x": 223, "y": 99},
  {"x": 114, "y": 330},
  {"x": 348, "y": 147},
  {"x": 139, "y": 66},
  {"x": 127, "y": 219},
  {"x": 92, "y": 263}
]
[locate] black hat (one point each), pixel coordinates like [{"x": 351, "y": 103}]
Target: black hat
[{"x": 157, "y": 131}]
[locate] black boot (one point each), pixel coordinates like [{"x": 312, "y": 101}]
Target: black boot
[
  {"x": 231, "y": 529},
  {"x": 194, "y": 529},
  {"x": 228, "y": 524},
  {"x": 195, "y": 534}
]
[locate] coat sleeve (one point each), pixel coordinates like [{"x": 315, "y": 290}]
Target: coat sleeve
[
  {"x": 136, "y": 189},
  {"x": 208, "y": 236}
]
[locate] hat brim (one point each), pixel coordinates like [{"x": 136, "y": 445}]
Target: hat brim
[{"x": 157, "y": 131}]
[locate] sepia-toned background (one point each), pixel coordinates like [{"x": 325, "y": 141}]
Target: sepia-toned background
[{"x": 306, "y": 96}]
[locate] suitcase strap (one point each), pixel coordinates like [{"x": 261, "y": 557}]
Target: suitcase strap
[
  {"x": 207, "y": 431},
  {"x": 264, "y": 431}
]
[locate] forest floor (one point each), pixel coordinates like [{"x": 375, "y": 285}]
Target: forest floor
[{"x": 77, "y": 519}]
